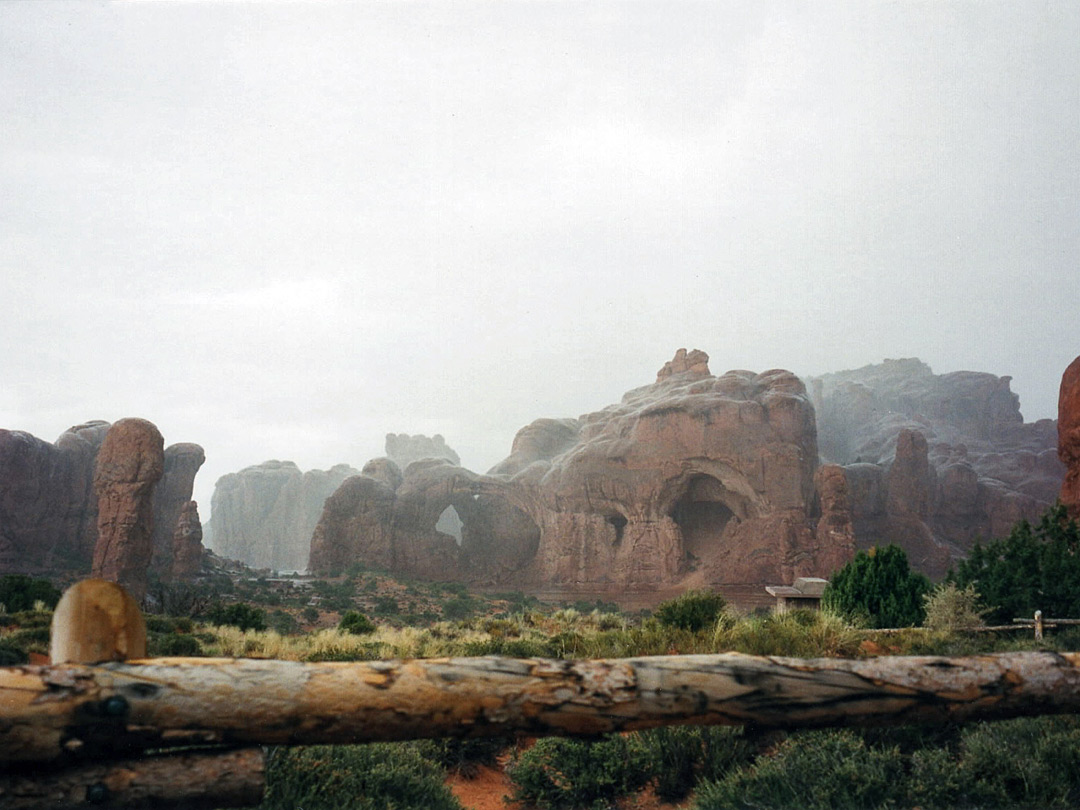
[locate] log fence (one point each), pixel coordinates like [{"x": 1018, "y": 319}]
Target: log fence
[{"x": 187, "y": 732}]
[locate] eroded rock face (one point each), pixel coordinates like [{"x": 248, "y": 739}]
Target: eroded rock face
[
  {"x": 129, "y": 465},
  {"x": 1069, "y": 436},
  {"x": 404, "y": 449},
  {"x": 171, "y": 498},
  {"x": 694, "y": 479},
  {"x": 934, "y": 461},
  {"x": 265, "y": 515},
  {"x": 48, "y": 509},
  {"x": 187, "y": 548}
]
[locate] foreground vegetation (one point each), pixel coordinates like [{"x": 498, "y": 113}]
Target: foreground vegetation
[{"x": 1030, "y": 763}]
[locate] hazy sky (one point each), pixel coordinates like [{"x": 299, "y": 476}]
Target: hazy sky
[{"x": 284, "y": 230}]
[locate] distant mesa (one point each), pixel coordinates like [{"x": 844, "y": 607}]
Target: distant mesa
[{"x": 264, "y": 515}]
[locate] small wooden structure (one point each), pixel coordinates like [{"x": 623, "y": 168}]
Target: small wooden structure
[{"x": 804, "y": 593}]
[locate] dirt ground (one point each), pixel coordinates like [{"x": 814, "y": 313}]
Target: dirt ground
[{"x": 489, "y": 787}]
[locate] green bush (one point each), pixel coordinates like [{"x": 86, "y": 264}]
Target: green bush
[
  {"x": 693, "y": 610},
  {"x": 238, "y": 614},
  {"x": 578, "y": 774},
  {"x": 310, "y": 614},
  {"x": 10, "y": 654},
  {"x": 683, "y": 755},
  {"x": 464, "y": 756},
  {"x": 379, "y": 776},
  {"x": 20, "y": 592},
  {"x": 952, "y": 608},
  {"x": 878, "y": 587},
  {"x": 356, "y": 623},
  {"x": 459, "y": 607},
  {"x": 796, "y": 633},
  {"x": 812, "y": 771},
  {"x": 283, "y": 623},
  {"x": 1034, "y": 568},
  {"x": 174, "y": 644}
]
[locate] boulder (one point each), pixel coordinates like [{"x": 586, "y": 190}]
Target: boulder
[
  {"x": 1069, "y": 436},
  {"x": 129, "y": 465},
  {"x": 404, "y": 449}
]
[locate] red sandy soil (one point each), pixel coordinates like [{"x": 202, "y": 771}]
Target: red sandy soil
[{"x": 486, "y": 791}]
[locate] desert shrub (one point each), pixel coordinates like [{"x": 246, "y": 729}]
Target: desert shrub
[
  {"x": 797, "y": 633},
  {"x": 310, "y": 614},
  {"x": 879, "y": 588},
  {"x": 20, "y": 592},
  {"x": 173, "y": 644},
  {"x": 683, "y": 755},
  {"x": 811, "y": 771},
  {"x": 379, "y": 776},
  {"x": 464, "y": 756},
  {"x": 356, "y": 623},
  {"x": 1034, "y": 568},
  {"x": 693, "y": 610},
  {"x": 283, "y": 623},
  {"x": 459, "y": 607},
  {"x": 949, "y": 607},
  {"x": 386, "y": 606},
  {"x": 1028, "y": 762},
  {"x": 11, "y": 654},
  {"x": 238, "y": 614},
  {"x": 579, "y": 774}
]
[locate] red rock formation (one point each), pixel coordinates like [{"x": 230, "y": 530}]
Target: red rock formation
[
  {"x": 130, "y": 463},
  {"x": 171, "y": 498},
  {"x": 835, "y": 534},
  {"x": 48, "y": 510},
  {"x": 186, "y": 550},
  {"x": 691, "y": 479},
  {"x": 1069, "y": 436},
  {"x": 984, "y": 468}
]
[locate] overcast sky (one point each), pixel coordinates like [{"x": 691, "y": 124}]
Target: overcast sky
[{"x": 284, "y": 230}]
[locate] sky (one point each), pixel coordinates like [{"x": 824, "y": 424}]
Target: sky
[{"x": 283, "y": 230}]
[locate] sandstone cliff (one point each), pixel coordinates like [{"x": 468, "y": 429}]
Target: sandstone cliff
[
  {"x": 1069, "y": 436},
  {"x": 693, "y": 479},
  {"x": 48, "y": 509},
  {"x": 934, "y": 461},
  {"x": 265, "y": 515},
  {"x": 171, "y": 498}
]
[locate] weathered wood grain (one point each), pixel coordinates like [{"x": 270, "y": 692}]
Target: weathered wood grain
[{"x": 48, "y": 713}]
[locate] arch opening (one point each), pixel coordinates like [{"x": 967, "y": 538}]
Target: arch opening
[
  {"x": 701, "y": 514},
  {"x": 450, "y": 523}
]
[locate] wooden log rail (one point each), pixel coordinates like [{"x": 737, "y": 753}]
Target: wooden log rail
[{"x": 69, "y": 712}]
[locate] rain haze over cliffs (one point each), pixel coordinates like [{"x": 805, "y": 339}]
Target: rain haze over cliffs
[{"x": 284, "y": 230}]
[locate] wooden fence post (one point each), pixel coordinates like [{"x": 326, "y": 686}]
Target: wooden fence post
[
  {"x": 1038, "y": 625},
  {"x": 97, "y": 622}
]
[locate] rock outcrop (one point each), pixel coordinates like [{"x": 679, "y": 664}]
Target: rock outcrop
[
  {"x": 48, "y": 509},
  {"x": 129, "y": 465},
  {"x": 171, "y": 498},
  {"x": 404, "y": 449},
  {"x": 265, "y": 515},
  {"x": 186, "y": 553},
  {"x": 1069, "y": 436},
  {"x": 692, "y": 480},
  {"x": 934, "y": 461}
]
